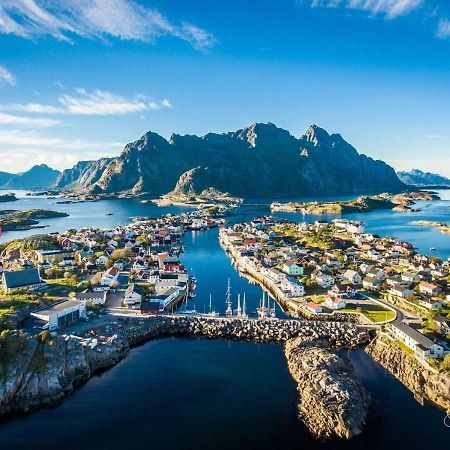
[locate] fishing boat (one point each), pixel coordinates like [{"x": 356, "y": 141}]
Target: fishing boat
[{"x": 192, "y": 287}]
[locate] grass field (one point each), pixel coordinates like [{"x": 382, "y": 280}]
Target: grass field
[{"x": 374, "y": 313}]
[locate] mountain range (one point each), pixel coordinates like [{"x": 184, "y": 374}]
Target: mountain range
[
  {"x": 257, "y": 161},
  {"x": 38, "y": 177},
  {"x": 419, "y": 178}
]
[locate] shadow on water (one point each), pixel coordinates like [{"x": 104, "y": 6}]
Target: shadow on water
[{"x": 198, "y": 394}]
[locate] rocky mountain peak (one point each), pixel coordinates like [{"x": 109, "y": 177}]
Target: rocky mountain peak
[{"x": 316, "y": 135}]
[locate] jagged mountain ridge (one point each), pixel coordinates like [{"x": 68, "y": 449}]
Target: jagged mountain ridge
[
  {"x": 82, "y": 175},
  {"x": 38, "y": 177},
  {"x": 257, "y": 161},
  {"x": 420, "y": 178}
]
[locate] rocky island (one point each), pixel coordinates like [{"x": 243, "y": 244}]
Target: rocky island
[
  {"x": 339, "y": 207},
  {"x": 12, "y": 220},
  {"x": 397, "y": 202},
  {"x": 8, "y": 198}
]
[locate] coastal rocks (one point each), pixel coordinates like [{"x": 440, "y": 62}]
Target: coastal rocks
[
  {"x": 266, "y": 331},
  {"x": 332, "y": 403},
  {"x": 425, "y": 383},
  {"x": 42, "y": 371}
]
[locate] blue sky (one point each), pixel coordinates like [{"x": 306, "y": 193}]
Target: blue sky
[{"x": 80, "y": 78}]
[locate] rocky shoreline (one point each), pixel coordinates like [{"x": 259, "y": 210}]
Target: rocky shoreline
[
  {"x": 48, "y": 369},
  {"x": 424, "y": 383},
  {"x": 332, "y": 403}
]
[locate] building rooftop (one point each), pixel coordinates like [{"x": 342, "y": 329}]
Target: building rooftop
[
  {"x": 57, "y": 307},
  {"x": 21, "y": 278}
]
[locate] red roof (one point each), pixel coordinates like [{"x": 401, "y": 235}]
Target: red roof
[{"x": 113, "y": 271}]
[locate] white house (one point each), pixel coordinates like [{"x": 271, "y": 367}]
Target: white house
[
  {"x": 94, "y": 298},
  {"x": 334, "y": 302},
  {"x": 420, "y": 344},
  {"x": 110, "y": 276},
  {"x": 292, "y": 288},
  {"x": 400, "y": 291},
  {"x": 133, "y": 296},
  {"x": 323, "y": 280},
  {"x": 428, "y": 288},
  {"x": 275, "y": 275},
  {"x": 433, "y": 304},
  {"x": 352, "y": 276}
]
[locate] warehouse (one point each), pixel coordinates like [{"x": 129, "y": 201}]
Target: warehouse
[{"x": 61, "y": 313}]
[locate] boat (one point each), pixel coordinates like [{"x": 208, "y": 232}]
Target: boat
[
  {"x": 192, "y": 287},
  {"x": 190, "y": 311},
  {"x": 144, "y": 201},
  {"x": 262, "y": 310},
  {"x": 229, "y": 310},
  {"x": 212, "y": 312},
  {"x": 238, "y": 310},
  {"x": 244, "y": 315},
  {"x": 432, "y": 249}
]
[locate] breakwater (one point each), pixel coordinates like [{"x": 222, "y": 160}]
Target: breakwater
[{"x": 48, "y": 369}]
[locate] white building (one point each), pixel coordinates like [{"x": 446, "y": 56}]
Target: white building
[
  {"x": 420, "y": 344},
  {"x": 335, "y": 302},
  {"x": 352, "y": 276},
  {"x": 324, "y": 280},
  {"x": 110, "y": 276},
  {"x": 60, "y": 314},
  {"x": 292, "y": 288}
]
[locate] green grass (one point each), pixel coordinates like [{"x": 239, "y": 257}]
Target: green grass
[
  {"x": 14, "y": 302},
  {"x": 374, "y": 313}
]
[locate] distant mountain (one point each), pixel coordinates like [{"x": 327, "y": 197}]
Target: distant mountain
[
  {"x": 82, "y": 175},
  {"x": 258, "y": 161},
  {"x": 38, "y": 177},
  {"x": 419, "y": 178},
  {"x": 5, "y": 177}
]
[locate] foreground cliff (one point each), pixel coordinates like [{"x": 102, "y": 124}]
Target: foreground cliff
[
  {"x": 258, "y": 161},
  {"x": 423, "y": 382},
  {"x": 332, "y": 403}
]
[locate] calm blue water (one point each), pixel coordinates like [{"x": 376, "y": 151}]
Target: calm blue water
[{"x": 198, "y": 394}]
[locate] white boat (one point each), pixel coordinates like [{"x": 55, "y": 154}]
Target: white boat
[
  {"x": 212, "y": 312},
  {"x": 229, "y": 310}
]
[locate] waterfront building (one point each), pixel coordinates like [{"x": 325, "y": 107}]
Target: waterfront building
[
  {"x": 60, "y": 314},
  {"x": 423, "y": 346}
]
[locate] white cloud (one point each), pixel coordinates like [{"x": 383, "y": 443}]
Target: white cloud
[
  {"x": 5, "y": 75},
  {"x": 95, "y": 19},
  {"x": 21, "y": 121},
  {"x": 443, "y": 29},
  {"x": 387, "y": 8},
  {"x": 98, "y": 102}
]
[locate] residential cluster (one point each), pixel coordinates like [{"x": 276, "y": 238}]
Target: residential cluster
[
  {"x": 324, "y": 266},
  {"x": 134, "y": 267}
]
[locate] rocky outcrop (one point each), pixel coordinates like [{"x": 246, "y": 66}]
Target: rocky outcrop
[
  {"x": 258, "y": 161},
  {"x": 332, "y": 403},
  {"x": 41, "y": 371},
  {"x": 81, "y": 175},
  {"x": 44, "y": 372},
  {"x": 424, "y": 382}
]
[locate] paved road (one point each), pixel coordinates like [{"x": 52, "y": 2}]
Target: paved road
[{"x": 400, "y": 315}]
